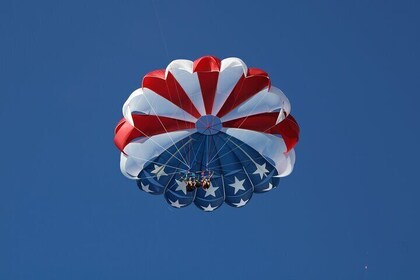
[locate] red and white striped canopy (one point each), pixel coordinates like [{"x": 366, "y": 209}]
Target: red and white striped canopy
[{"x": 207, "y": 97}]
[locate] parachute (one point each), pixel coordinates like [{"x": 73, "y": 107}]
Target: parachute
[{"x": 206, "y": 132}]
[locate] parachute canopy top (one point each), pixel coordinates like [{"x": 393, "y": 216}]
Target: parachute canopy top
[{"x": 208, "y": 125}]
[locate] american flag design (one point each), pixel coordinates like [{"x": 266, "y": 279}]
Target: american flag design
[{"x": 207, "y": 116}]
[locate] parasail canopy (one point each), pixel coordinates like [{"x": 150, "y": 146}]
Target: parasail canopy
[{"x": 206, "y": 132}]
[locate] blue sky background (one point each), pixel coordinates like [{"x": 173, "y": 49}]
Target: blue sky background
[{"x": 350, "y": 70}]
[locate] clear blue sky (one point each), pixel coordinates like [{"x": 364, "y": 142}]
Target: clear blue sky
[{"x": 350, "y": 70}]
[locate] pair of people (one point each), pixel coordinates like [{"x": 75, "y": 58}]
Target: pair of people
[{"x": 193, "y": 183}]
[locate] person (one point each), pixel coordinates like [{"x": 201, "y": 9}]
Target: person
[
  {"x": 190, "y": 185},
  {"x": 202, "y": 181},
  {"x": 211, "y": 173},
  {"x": 205, "y": 183}
]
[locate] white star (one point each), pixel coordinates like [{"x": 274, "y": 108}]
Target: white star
[
  {"x": 261, "y": 170},
  {"x": 145, "y": 188},
  {"x": 238, "y": 185},
  {"x": 176, "y": 204},
  {"x": 240, "y": 203},
  {"x": 270, "y": 186},
  {"x": 211, "y": 191},
  {"x": 208, "y": 208},
  {"x": 182, "y": 186},
  {"x": 159, "y": 171}
]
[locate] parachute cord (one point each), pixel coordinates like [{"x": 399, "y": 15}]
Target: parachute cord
[
  {"x": 152, "y": 177},
  {"x": 167, "y": 55},
  {"x": 224, "y": 189},
  {"x": 184, "y": 113},
  {"x": 156, "y": 162},
  {"x": 207, "y": 152},
  {"x": 230, "y": 136},
  {"x": 167, "y": 184},
  {"x": 167, "y": 133},
  {"x": 165, "y": 45},
  {"x": 150, "y": 138},
  {"x": 216, "y": 141},
  {"x": 284, "y": 115}
]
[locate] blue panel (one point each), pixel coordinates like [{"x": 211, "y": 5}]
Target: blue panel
[{"x": 238, "y": 171}]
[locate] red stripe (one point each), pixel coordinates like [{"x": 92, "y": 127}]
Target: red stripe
[
  {"x": 207, "y": 64},
  {"x": 248, "y": 86},
  {"x": 153, "y": 125},
  {"x": 208, "y": 68},
  {"x": 170, "y": 89},
  {"x": 124, "y": 133},
  {"x": 146, "y": 125},
  {"x": 288, "y": 128}
]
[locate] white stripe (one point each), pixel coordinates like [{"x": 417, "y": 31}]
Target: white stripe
[
  {"x": 144, "y": 149},
  {"x": 265, "y": 101},
  {"x": 123, "y": 162},
  {"x": 148, "y": 102},
  {"x": 269, "y": 146},
  {"x": 182, "y": 70},
  {"x": 231, "y": 70}
]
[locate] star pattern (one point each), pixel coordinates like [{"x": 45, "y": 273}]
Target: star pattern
[
  {"x": 261, "y": 170},
  {"x": 159, "y": 171},
  {"x": 182, "y": 186},
  {"x": 176, "y": 204},
  {"x": 238, "y": 185},
  {"x": 241, "y": 203},
  {"x": 208, "y": 208},
  {"x": 211, "y": 191},
  {"x": 145, "y": 188}
]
